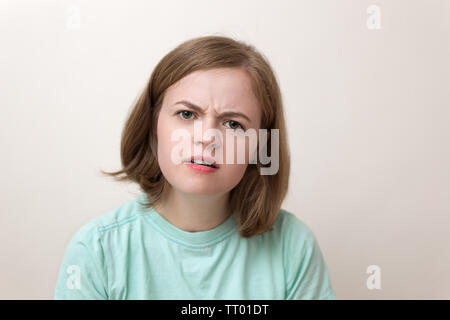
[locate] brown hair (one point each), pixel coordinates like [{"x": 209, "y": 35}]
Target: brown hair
[{"x": 257, "y": 198}]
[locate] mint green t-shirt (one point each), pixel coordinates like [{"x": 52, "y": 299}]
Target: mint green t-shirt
[{"x": 134, "y": 253}]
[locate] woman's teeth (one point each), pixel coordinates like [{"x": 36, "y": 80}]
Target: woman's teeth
[{"x": 202, "y": 163}]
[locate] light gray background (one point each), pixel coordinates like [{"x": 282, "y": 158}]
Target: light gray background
[{"x": 367, "y": 111}]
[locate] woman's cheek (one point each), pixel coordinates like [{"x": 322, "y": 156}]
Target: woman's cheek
[
  {"x": 166, "y": 145},
  {"x": 238, "y": 149}
]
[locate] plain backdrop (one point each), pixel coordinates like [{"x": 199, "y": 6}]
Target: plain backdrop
[{"x": 368, "y": 112}]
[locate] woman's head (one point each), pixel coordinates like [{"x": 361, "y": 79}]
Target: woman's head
[
  {"x": 217, "y": 74},
  {"x": 203, "y": 96}
]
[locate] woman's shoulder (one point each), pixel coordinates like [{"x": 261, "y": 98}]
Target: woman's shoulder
[
  {"x": 290, "y": 225},
  {"x": 86, "y": 254},
  {"x": 306, "y": 269},
  {"x": 118, "y": 217}
]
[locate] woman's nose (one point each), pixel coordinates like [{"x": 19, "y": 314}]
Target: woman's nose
[{"x": 206, "y": 132}]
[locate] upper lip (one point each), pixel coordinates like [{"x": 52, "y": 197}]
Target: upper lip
[{"x": 200, "y": 157}]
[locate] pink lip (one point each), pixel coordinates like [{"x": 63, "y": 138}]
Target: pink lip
[
  {"x": 200, "y": 157},
  {"x": 200, "y": 168}
]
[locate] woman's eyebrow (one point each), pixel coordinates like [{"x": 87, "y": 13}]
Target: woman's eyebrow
[{"x": 222, "y": 115}]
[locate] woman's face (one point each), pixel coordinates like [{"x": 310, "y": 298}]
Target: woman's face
[{"x": 215, "y": 91}]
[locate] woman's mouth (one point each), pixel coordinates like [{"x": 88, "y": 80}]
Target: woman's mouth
[
  {"x": 201, "y": 166},
  {"x": 204, "y": 163}
]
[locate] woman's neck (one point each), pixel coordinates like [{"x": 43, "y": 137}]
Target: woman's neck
[{"x": 191, "y": 212}]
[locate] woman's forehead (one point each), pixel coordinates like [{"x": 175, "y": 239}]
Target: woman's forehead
[{"x": 225, "y": 89}]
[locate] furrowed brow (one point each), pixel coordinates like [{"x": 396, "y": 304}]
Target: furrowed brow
[{"x": 222, "y": 115}]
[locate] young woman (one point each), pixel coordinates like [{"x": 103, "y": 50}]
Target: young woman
[{"x": 202, "y": 228}]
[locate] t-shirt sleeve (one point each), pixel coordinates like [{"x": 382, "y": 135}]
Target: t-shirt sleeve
[
  {"x": 82, "y": 274},
  {"x": 306, "y": 270}
]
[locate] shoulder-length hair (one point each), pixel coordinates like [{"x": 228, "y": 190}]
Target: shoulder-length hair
[{"x": 257, "y": 198}]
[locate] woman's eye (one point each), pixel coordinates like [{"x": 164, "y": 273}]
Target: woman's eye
[
  {"x": 235, "y": 125},
  {"x": 185, "y": 114}
]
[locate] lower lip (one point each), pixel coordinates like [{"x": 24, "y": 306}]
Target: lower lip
[{"x": 200, "y": 168}]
